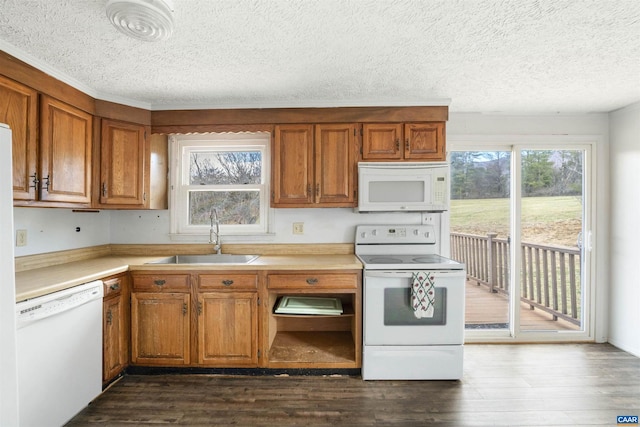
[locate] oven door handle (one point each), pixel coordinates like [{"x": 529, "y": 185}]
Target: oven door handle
[{"x": 409, "y": 274}]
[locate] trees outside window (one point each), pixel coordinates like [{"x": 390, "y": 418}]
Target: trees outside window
[{"x": 225, "y": 172}]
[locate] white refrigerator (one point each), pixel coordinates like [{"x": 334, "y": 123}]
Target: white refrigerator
[{"x": 8, "y": 363}]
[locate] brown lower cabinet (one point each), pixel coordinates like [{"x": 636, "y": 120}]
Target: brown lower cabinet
[
  {"x": 115, "y": 326},
  {"x": 228, "y": 329},
  {"x": 227, "y": 319},
  {"x": 161, "y": 319},
  {"x": 196, "y": 319}
]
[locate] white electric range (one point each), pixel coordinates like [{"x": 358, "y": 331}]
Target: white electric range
[{"x": 403, "y": 338}]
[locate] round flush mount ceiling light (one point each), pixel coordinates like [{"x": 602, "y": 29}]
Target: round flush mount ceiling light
[{"x": 149, "y": 20}]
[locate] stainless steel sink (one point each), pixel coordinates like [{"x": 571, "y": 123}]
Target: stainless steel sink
[{"x": 206, "y": 259}]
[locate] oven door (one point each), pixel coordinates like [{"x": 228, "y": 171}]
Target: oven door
[{"x": 389, "y": 318}]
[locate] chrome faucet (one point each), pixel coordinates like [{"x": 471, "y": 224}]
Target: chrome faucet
[{"x": 215, "y": 222}]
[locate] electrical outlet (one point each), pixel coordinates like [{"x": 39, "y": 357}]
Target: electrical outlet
[
  {"x": 298, "y": 228},
  {"x": 21, "y": 237}
]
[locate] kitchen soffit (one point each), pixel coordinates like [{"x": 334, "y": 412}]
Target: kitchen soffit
[{"x": 513, "y": 56}]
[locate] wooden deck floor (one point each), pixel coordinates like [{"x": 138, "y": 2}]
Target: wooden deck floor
[{"x": 485, "y": 308}]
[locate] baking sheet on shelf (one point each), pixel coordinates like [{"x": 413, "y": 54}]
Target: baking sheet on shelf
[{"x": 309, "y": 305}]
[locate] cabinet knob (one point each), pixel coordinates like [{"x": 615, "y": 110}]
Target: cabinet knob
[
  {"x": 159, "y": 282},
  {"x": 312, "y": 281},
  {"x": 227, "y": 282}
]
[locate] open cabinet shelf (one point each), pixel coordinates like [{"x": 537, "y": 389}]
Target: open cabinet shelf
[
  {"x": 315, "y": 340},
  {"x": 319, "y": 348}
]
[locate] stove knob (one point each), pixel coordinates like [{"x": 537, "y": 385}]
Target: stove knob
[
  {"x": 427, "y": 234},
  {"x": 416, "y": 232},
  {"x": 374, "y": 232},
  {"x": 363, "y": 234}
]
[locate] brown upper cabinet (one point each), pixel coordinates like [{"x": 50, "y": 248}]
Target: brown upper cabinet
[
  {"x": 65, "y": 152},
  {"x": 314, "y": 166},
  {"x": 57, "y": 168},
  {"x": 18, "y": 109},
  {"x": 403, "y": 141},
  {"x": 124, "y": 165}
]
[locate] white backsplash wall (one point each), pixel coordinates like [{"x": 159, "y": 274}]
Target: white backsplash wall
[
  {"x": 142, "y": 227},
  {"x": 50, "y": 230},
  {"x": 321, "y": 225}
]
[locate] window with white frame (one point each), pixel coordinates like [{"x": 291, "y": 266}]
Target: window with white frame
[{"x": 226, "y": 172}]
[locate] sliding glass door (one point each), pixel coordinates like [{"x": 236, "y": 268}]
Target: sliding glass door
[
  {"x": 519, "y": 220},
  {"x": 480, "y": 232},
  {"x": 551, "y": 228}
]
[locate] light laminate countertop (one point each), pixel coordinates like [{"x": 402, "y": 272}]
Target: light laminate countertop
[{"x": 42, "y": 281}]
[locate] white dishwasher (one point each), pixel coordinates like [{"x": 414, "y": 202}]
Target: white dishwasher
[{"x": 59, "y": 343}]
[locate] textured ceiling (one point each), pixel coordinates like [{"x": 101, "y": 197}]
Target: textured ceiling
[{"x": 508, "y": 56}]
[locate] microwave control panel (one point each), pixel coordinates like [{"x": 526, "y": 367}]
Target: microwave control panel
[{"x": 440, "y": 189}]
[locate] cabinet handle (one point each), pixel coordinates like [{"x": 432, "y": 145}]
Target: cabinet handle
[
  {"x": 318, "y": 190},
  {"x": 47, "y": 183},
  {"x": 227, "y": 282},
  {"x": 199, "y": 308},
  {"x": 184, "y": 309},
  {"x": 104, "y": 189},
  {"x": 397, "y": 144},
  {"x": 115, "y": 286},
  {"x": 109, "y": 317},
  {"x": 159, "y": 282},
  {"x": 308, "y": 188},
  {"x": 312, "y": 281},
  {"x": 407, "y": 146},
  {"x": 35, "y": 180}
]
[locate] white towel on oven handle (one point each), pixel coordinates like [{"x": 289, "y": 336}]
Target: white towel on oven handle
[{"x": 423, "y": 294}]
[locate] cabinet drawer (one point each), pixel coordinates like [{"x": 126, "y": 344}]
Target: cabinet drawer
[
  {"x": 228, "y": 281},
  {"x": 112, "y": 286},
  {"x": 312, "y": 281},
  {"x": 161, "y": 282}
]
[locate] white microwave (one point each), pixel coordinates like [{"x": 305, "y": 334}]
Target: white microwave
[{"x": 398, "y": 187}]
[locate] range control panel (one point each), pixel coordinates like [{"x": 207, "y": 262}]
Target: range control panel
[{"x": 395, "y": 234}]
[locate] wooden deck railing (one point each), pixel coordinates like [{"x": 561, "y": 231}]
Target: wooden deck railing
[{"x": 550, "y": 276}]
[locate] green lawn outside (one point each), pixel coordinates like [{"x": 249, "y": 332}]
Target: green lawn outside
[{"x": 545, "y": 220}]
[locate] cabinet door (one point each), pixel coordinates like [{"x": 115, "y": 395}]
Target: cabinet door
[
  {"x": 65, "y": 152},
  {"x": 18, "y": 105},
  {"x": 114, "y": 338},
  {"x": 292, "y": 168},
  {"x": 124, "y": 154},
  {"x": 424, "y": 141},
  {"x": 228, "y": 328},
  {"x": 335, "y": 164},
  {"x": 382, "y": 141},
  {"x": 160, "y": 328}
]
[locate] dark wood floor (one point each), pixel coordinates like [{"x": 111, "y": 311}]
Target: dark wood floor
[{"x": 503, "y": 385}]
